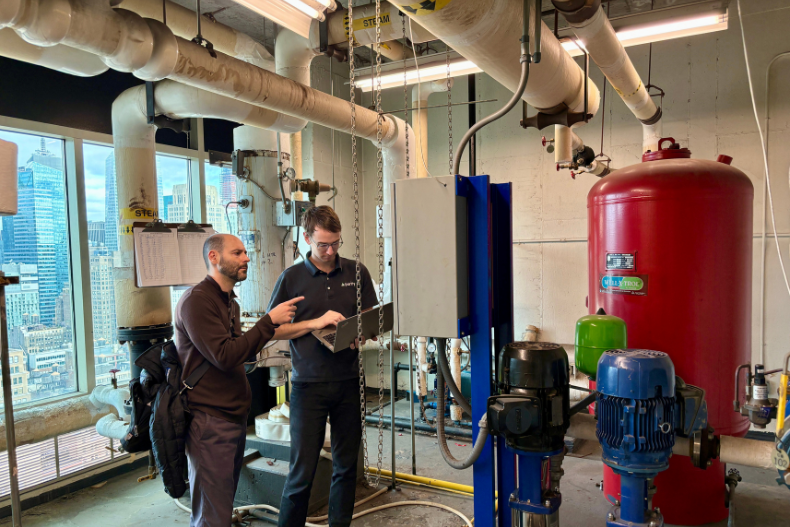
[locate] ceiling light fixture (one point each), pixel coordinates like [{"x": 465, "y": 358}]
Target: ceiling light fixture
[
  {"x": 430, "y": 72},
  {"x": 296, "y": 15},
  {"x": 634, "y": 34}
]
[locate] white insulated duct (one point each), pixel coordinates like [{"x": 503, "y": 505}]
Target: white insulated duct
[
  {"x": 60, "y": 58},
  {"x": 419, "y": 102},
  {"x": 111, "y": 426},
  {"x": 566, "y": 144},
  {"x": 596, "y": 34},
  {"x": 487, "y": 32},
  {"x": 183, "y": 23},
  {"x": 104, "y": 396}
]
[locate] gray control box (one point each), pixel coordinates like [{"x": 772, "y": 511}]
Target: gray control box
[
  {"x": 294, "y": 217},
  {"x": 430, "y": 257}
]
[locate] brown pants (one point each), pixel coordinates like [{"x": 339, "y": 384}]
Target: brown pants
[{"x": 215, "y": 449}]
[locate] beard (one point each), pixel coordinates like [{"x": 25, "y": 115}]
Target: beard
[{"x": 237, "y": 273}]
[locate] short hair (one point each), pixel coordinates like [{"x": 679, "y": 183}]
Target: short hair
[
  {"x": 323, "y": 216},
  {"x": 215, "y": 242}
]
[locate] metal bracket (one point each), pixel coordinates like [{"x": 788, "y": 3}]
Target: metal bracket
[
  {"x": 161, "y": 121},
  {"x": 323, "y": 36}
]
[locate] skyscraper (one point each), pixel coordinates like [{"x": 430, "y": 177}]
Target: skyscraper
[
  {"x": 110, "y": 205},
  {"x": 102, "y": 295},
  {"x": 96, "y": 234},
  {"x": 21, "y": 298},
  {"x": 37, "y": 235},
  {"x": 215, "y": 213},
  {"x": 178, "y": 211},
  {"x": 227, "y": 182}
]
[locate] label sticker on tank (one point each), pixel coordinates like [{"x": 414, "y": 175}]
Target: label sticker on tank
[
  {"x": 620, "y": 262},
  {"x": 624, "y": 285}
]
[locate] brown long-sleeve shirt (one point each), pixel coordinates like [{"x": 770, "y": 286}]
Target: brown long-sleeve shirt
[{"x": 208, "y": 326}]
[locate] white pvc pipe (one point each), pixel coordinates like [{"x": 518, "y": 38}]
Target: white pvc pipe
[
  {"x": 487, "y": 32},
  {"x": 419, "y": 102},
  {"x": 599, "y": 38},
  {"x": 111, "y": 426},
  {"x": 422, "y": 365},
  {"x": 59, "y": 58},
  {"x": 104, "y": 396},
  {"x": 183, "y": 23},
  {"x": 456, "y": 412}
]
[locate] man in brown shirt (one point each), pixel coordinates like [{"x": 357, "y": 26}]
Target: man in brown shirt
[{"x": 208, "y": 328}]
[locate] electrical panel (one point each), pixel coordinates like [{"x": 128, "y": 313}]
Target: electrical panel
[
  {"x": 292, "y": 218},
  {"x": 430, "y": 258}
]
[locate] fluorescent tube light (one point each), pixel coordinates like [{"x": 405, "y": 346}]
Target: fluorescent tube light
[
  {"x": 426, "y": 73},
  {"x": 667, "y": 30},
  {"x": 296, "y": 15},
  {"x": 307, "y": 9}
]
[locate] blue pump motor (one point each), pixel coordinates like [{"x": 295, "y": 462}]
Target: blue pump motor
[{"x": 636, "y": 424}]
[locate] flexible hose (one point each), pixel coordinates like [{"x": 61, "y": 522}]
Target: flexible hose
[
  {"x": 482, "y": 434},
  {"x": 522, "y": 85},
  {"x": 269, "y": 508},
  {"x": 444, "y": 367}
]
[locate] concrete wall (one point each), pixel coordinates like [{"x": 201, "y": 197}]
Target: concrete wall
[{"x": 707, "y": 108}]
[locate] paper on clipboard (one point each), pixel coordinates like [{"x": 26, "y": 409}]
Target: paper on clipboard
[
  {"x": 190, "y": 248},
  {"x": 157, "y": 258}
]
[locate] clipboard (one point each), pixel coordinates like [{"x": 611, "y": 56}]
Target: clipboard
[{"x": 169, "y": 254}]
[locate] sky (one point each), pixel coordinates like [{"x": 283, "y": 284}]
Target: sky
[{"x": 172, "y": 170}]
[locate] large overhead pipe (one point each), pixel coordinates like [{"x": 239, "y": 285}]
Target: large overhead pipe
[
  {"x": 59, "y": 58},
  {"x": 183, "y": 23},
  {"x": 486, "y": 32},
  {"x": 597, "y": 36}
]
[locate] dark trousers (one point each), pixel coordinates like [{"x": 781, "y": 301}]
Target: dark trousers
[
  {"x": 215, "y": 449},
  {"x": 311, "y": 403}
]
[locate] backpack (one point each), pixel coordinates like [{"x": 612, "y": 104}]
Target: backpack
[{"x": 160, "y": 413}]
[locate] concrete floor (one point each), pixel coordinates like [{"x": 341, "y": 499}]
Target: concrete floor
[{"x": 123, "y": 502}]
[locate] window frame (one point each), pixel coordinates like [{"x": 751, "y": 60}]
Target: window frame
[{"x": 77, "y": 223}]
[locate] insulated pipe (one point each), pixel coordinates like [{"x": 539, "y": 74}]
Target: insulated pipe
[
  {"x": 151, "y": 51},
  {"x": 487, "y": 33},
  {"x": 566, "y": 144},
  {"x": 103, "y": 396},
  {"x": 111, "y": 426},
  {"x": 456, "y": 412},
  {"x": 422, "y": 366},
  {"x": 598, "y": 37},
  {"x": 183, "y": 23},
  {"x": 736, "y": 450},
  {"x": 419, "y": 103},
  {"x": 58, "y": 58}
]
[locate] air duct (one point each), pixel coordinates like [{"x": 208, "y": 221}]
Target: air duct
[
  {"x": 597, "y": 36},
  {"x": 487, "y": 33}
]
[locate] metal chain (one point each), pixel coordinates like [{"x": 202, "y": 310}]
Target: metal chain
[
  {"x": 449, "y": 110},
  {"x": 355, "y": 172},
  {"x": 380, "y": 232}
]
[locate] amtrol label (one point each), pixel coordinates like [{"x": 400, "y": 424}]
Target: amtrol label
[
  {"x": 627, "y": 285},
  {"x": 620, "y": 262}
]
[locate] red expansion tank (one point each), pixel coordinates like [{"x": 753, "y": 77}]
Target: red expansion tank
[{"x": 680, "y": 231}]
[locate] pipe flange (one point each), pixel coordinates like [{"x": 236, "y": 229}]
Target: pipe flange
[
  {"x": 51, "y": 20},
  {"x": 653, "y": 120},
  {"x": 135, "y": 46},
  {"x": 164, "y": 56},
  {"x": 577, "y": 11}
]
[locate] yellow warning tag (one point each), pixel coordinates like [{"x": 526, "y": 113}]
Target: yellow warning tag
[
  {"x": 125, "y": 230},
  {"x": 370, "y": 22},
  {"x": 425, "y": 8},
  {"x": 139, "y": 214}
]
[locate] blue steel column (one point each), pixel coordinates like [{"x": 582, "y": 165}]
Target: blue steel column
[
  {"x": 502, "y": 278},
  {"x": 480, "y": 299}
]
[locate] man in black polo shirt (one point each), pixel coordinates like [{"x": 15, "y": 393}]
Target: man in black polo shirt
[{"x": 323, "y": 383}]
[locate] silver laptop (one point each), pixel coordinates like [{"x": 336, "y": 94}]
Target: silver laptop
[{"x": 341, "y": 337}]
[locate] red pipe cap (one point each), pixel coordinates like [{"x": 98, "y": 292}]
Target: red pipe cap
[
  {"x": 673, "y": 152},
  {"x": 727, "y": 160}
]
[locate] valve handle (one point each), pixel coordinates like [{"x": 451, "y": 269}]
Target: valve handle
[{"x": 665, "y": 139}]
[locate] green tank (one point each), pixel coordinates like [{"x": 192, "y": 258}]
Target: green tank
[{"x": 594, "y": 335}]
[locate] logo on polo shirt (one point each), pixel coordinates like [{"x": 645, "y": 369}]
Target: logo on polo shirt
[{"x": 348, "y": 284}]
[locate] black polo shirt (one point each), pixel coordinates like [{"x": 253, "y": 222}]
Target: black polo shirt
[{"x": 336, "y": 291}]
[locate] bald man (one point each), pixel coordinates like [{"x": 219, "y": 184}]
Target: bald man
[{"x": 208, "y": 328}]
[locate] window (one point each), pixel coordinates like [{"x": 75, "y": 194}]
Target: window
[
  {"x": 35, "y": 247},
  {"x": 221, "y": 209}
]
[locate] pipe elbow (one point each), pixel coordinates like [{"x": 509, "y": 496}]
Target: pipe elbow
[
  {"x": 293, "y": 54},
  {"x": 420, "y": 92},
  {"x": 130, "y": 126}
]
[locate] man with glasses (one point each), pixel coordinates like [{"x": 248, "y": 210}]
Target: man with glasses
[{"x": 324, "y": 384}]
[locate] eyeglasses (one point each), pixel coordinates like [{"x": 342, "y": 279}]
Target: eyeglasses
[{"x": 324, "y": 246}]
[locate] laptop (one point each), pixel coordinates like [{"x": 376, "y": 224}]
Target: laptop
[{"x": 341, "y": 337}]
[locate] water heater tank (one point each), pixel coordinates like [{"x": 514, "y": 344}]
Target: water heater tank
[{"x": 670, "y": 252}]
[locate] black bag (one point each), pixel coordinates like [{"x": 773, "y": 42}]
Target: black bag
[{"x": 160, "y": 413}]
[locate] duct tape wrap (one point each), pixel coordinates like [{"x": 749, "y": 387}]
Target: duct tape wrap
[{"x": 8, "y": 178}]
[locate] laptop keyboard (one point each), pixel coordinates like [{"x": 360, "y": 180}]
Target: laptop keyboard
[{"x": 330, "y": 338}]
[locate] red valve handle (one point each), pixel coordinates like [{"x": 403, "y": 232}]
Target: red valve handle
[
  {"x": 573, "y": 174},
  {"x": 543, "y": 140},
  {"x": 663, "y": 140}
]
